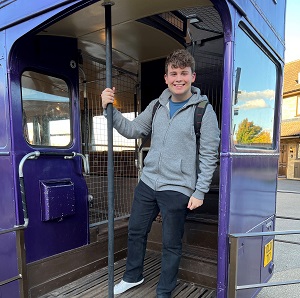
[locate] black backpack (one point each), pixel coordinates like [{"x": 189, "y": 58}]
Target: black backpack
[{"x": 199, "y": 112}]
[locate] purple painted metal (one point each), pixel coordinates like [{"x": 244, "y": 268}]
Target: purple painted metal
[
  {"x": 241, "y": 207},
  {"x": 45, "y": 238},
  {"x": 19, "y": 10},
  {"x": 253, "y": 191},
  {"x": 225, "y": 161},
  {"x": 224, "y": 187},
  {"x": 10, "y": 290},
  {"x": 268, "y": 17},
  {"x": 252, "y": 209},
  {"x": 8, "y": 253},
  {"x": 10, "y": 203},
  {"x": 57, "y": 199},
  {"x": 253, "y": 180}
]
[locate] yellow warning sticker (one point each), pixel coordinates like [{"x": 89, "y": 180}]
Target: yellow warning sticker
[{"x": 268, "y": 254}]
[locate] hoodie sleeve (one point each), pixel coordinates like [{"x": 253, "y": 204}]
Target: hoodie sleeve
[
  {"x": 208, "y": 152},
  {"x": 133, "y": 129}
]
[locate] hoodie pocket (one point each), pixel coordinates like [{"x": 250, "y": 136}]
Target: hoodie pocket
[
  {"x": 151, "y": 162},
  {"x": 174, "y": 172}
]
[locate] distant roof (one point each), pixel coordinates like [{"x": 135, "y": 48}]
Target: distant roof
[
  {"x": 290, "y": 127},
  {"x": 291, "y": 83}
]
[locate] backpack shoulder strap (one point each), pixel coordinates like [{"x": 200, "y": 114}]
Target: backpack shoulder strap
[
  {"x": 156, "y": 106},
  {"x": 199, "y": 112}
]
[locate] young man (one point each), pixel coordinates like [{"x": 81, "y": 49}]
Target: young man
[{"x": 169, "y": 183}]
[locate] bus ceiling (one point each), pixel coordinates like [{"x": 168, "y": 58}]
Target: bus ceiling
[
  {"x": 143, "y": 30},
  {"x": 84, "y": 20}
]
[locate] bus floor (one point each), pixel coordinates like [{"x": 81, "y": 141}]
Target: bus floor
[{"x": 96, "y": 283}]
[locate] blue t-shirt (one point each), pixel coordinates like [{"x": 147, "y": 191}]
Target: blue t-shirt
[{"x": 174, "y": 106}]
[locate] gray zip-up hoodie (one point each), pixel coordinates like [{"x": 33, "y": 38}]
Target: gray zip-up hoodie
[{"x": 171, "y": 161}]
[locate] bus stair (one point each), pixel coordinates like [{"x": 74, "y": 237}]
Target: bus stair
[{"x": 96, "y": 283}]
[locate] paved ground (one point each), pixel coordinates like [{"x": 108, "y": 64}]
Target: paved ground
[
  {"x": 288, "y": 185},
  {"x": 286, "y": 256}
]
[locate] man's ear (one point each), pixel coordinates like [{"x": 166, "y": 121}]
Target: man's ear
[
  {"x": 194, "y": 77},
  {"x": 166, "y": 77}
]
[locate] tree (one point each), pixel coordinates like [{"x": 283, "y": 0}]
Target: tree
[
  {"x": 248, "y": 133},
  {"x": 264, "y": 137}
]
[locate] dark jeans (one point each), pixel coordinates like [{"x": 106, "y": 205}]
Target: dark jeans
[{"x": 146, "y": 205}]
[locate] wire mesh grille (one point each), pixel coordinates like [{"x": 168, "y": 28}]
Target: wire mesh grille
[
  {"x": 95, "y": 125},
  {"x": 209, "y": 70},
  {"x": 210, "y": 18}
]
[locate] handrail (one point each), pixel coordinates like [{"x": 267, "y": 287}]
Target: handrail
[
  {"x": 233, "y": 251},
  {"x": 270, "y": 233},
  {"x": 30, "y": 155},
  {"x": 15, "y": 228},
  {"x": 84, "y": 159},
  {"x": 287, "y": 217},
  {"x": 34, "y": 155},
  {"x": 7, "y": 281},
  {"x": 4, "y": 153}
]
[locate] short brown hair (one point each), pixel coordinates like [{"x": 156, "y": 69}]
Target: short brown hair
[{"x": 180, "y": 59}]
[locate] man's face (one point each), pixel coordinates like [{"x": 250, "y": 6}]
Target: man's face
[{"x": 179, "y": 81}]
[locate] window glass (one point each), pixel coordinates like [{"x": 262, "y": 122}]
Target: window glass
[
  {"x": 254, "y": 95},
  {"x": 3, "y": 109},
  {"x": 298, "y": 151},
  {"x": 46, "y": 110}
]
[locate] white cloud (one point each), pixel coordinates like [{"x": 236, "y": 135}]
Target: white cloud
[
  {"x": 267, "y": 94},
  {"x": 253, "y": 104}
]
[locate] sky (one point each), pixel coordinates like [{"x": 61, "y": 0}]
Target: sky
[{"x": 292, "y": 35}]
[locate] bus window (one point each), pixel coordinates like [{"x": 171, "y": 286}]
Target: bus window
[
  {"x": 3, "y": 109},
  {"x": 254, "y": 95},
  {"x": 46, "y": 110}
]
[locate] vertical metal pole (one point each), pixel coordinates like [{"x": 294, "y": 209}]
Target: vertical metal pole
[
  {"x": 136, "y": 153},
  {"x": 110, "y": 160}
]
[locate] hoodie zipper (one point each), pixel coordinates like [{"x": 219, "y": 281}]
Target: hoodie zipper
[{"x": 165, "y": 137}]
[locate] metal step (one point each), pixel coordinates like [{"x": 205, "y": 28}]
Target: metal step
[{"x": 96, "y": 284}]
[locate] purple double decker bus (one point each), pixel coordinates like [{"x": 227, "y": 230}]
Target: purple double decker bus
[{"x": 56, "y": 57}]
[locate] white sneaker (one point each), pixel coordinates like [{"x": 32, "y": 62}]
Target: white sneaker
[{"x": 123, "y": 286}]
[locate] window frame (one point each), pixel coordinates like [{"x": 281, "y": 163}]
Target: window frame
[
  {"x": 69, "y": 93},
  {"x": 298, "y": 106},
  {"x": 298, "y": 151},
  {"x": 260, "y": 43}
]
